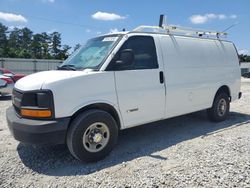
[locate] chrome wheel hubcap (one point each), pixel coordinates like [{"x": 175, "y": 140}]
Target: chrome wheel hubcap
[
  {"x": 96, "y": 137},
  {"x": 222, "y": 107}
]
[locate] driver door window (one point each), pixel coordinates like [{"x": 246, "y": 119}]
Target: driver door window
[{"x": 143, "y": 48}]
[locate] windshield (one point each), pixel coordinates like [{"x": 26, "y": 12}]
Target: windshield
[{"x": 92, "y": 54}]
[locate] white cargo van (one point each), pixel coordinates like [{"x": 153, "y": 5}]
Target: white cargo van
[{"x": 122, "y": 80}]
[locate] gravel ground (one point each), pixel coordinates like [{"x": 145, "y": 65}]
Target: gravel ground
[{"x": 187, "y": 151}]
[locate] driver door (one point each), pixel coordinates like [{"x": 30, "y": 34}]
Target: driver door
[{"x": 139, "y": 83}]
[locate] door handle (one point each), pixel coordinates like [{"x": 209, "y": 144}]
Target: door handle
[{"x": 161, "y": 75}]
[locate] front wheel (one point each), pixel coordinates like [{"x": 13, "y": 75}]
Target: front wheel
[
  {"x": 92, "y": 135},
  {"x": 220, "y": 109}
]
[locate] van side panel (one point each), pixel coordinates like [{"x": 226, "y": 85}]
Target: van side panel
[{"x": 194, "y": 70}]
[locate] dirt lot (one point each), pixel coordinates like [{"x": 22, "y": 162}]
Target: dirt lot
[{"x": 187, "y": 151}]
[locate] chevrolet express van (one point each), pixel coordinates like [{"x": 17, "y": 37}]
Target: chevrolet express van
[{"x": 121, "y": 80}]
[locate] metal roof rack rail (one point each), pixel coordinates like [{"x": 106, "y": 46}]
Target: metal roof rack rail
[{"x": 172, "y": 29}]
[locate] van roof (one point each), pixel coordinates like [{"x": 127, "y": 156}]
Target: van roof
[
  {"x": 174, "y": 30},
  {"x": 162, "y": 33},
  {"x": 179, "y": 35},
  {"x": 116, "y": 33}
]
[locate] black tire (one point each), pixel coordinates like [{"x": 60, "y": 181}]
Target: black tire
[
  {"x": 80, "y": 126},
  {"x": 215, "y": 113}
]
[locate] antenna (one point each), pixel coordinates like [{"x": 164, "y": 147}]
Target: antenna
[
  {"x": 230, "y": 27},
  {"x": 161, "y": 20}
]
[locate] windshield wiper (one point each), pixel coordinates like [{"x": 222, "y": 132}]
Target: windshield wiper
[{"x": 66, "y": 67}]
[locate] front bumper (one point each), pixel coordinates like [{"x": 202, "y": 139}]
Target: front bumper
[
  {"x": 7, "y": 89},
  {"x": 37, "y": 132}
]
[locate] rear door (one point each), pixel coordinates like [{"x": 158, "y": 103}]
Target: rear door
[{"x": 140, "y": 85}]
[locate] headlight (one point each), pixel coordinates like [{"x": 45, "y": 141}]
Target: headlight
[{"x": 38, "y": 104}]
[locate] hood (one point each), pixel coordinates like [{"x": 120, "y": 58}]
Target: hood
[{"x": 37, "y": 80}]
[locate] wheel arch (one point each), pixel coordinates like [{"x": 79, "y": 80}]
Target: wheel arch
[
  {"x": 101, "y": 106},
  {"x": 224, "y": 89}
]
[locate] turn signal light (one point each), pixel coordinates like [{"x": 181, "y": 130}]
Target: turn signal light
[{"x": 36, "y": 113}]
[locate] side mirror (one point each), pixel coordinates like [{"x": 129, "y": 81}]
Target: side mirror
[{"x": 126, "y": 57}]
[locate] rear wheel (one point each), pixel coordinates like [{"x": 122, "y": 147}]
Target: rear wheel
[
  {"x": 220, "y": 109},
  {"x": 92, "y": 135}
]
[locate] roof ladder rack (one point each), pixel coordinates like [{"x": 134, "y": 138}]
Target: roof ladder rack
[{"x": 172, "y": 29}]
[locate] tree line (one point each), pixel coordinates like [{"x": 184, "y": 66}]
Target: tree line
[
  {"x": 244, "y": 58},
  {"x": 24, "y": 43}
]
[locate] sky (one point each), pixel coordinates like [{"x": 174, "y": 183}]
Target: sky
[{"x": 79, "y": 20}]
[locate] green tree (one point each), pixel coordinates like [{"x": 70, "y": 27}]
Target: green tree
[
  {"x": 64, "y": 53},
  {"x": 37, "y": 46},
  {"x": 55, "y": 38},
  {"x": 22, "y": 43},
  {"x": 248, "y": 58},
  {"x": 77, "y": 46},
  {"x": 25, "y": 38},
  {"x": 46, "y": 40},
  {"x": 3, "y": 40},
  {"x": 242, "y": 58},
  {"x": 14, "y": 43}
]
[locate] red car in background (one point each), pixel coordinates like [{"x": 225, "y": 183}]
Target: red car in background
[
  {"x": 7, "y": 81},
  {"x": 13, "y": 75}
]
